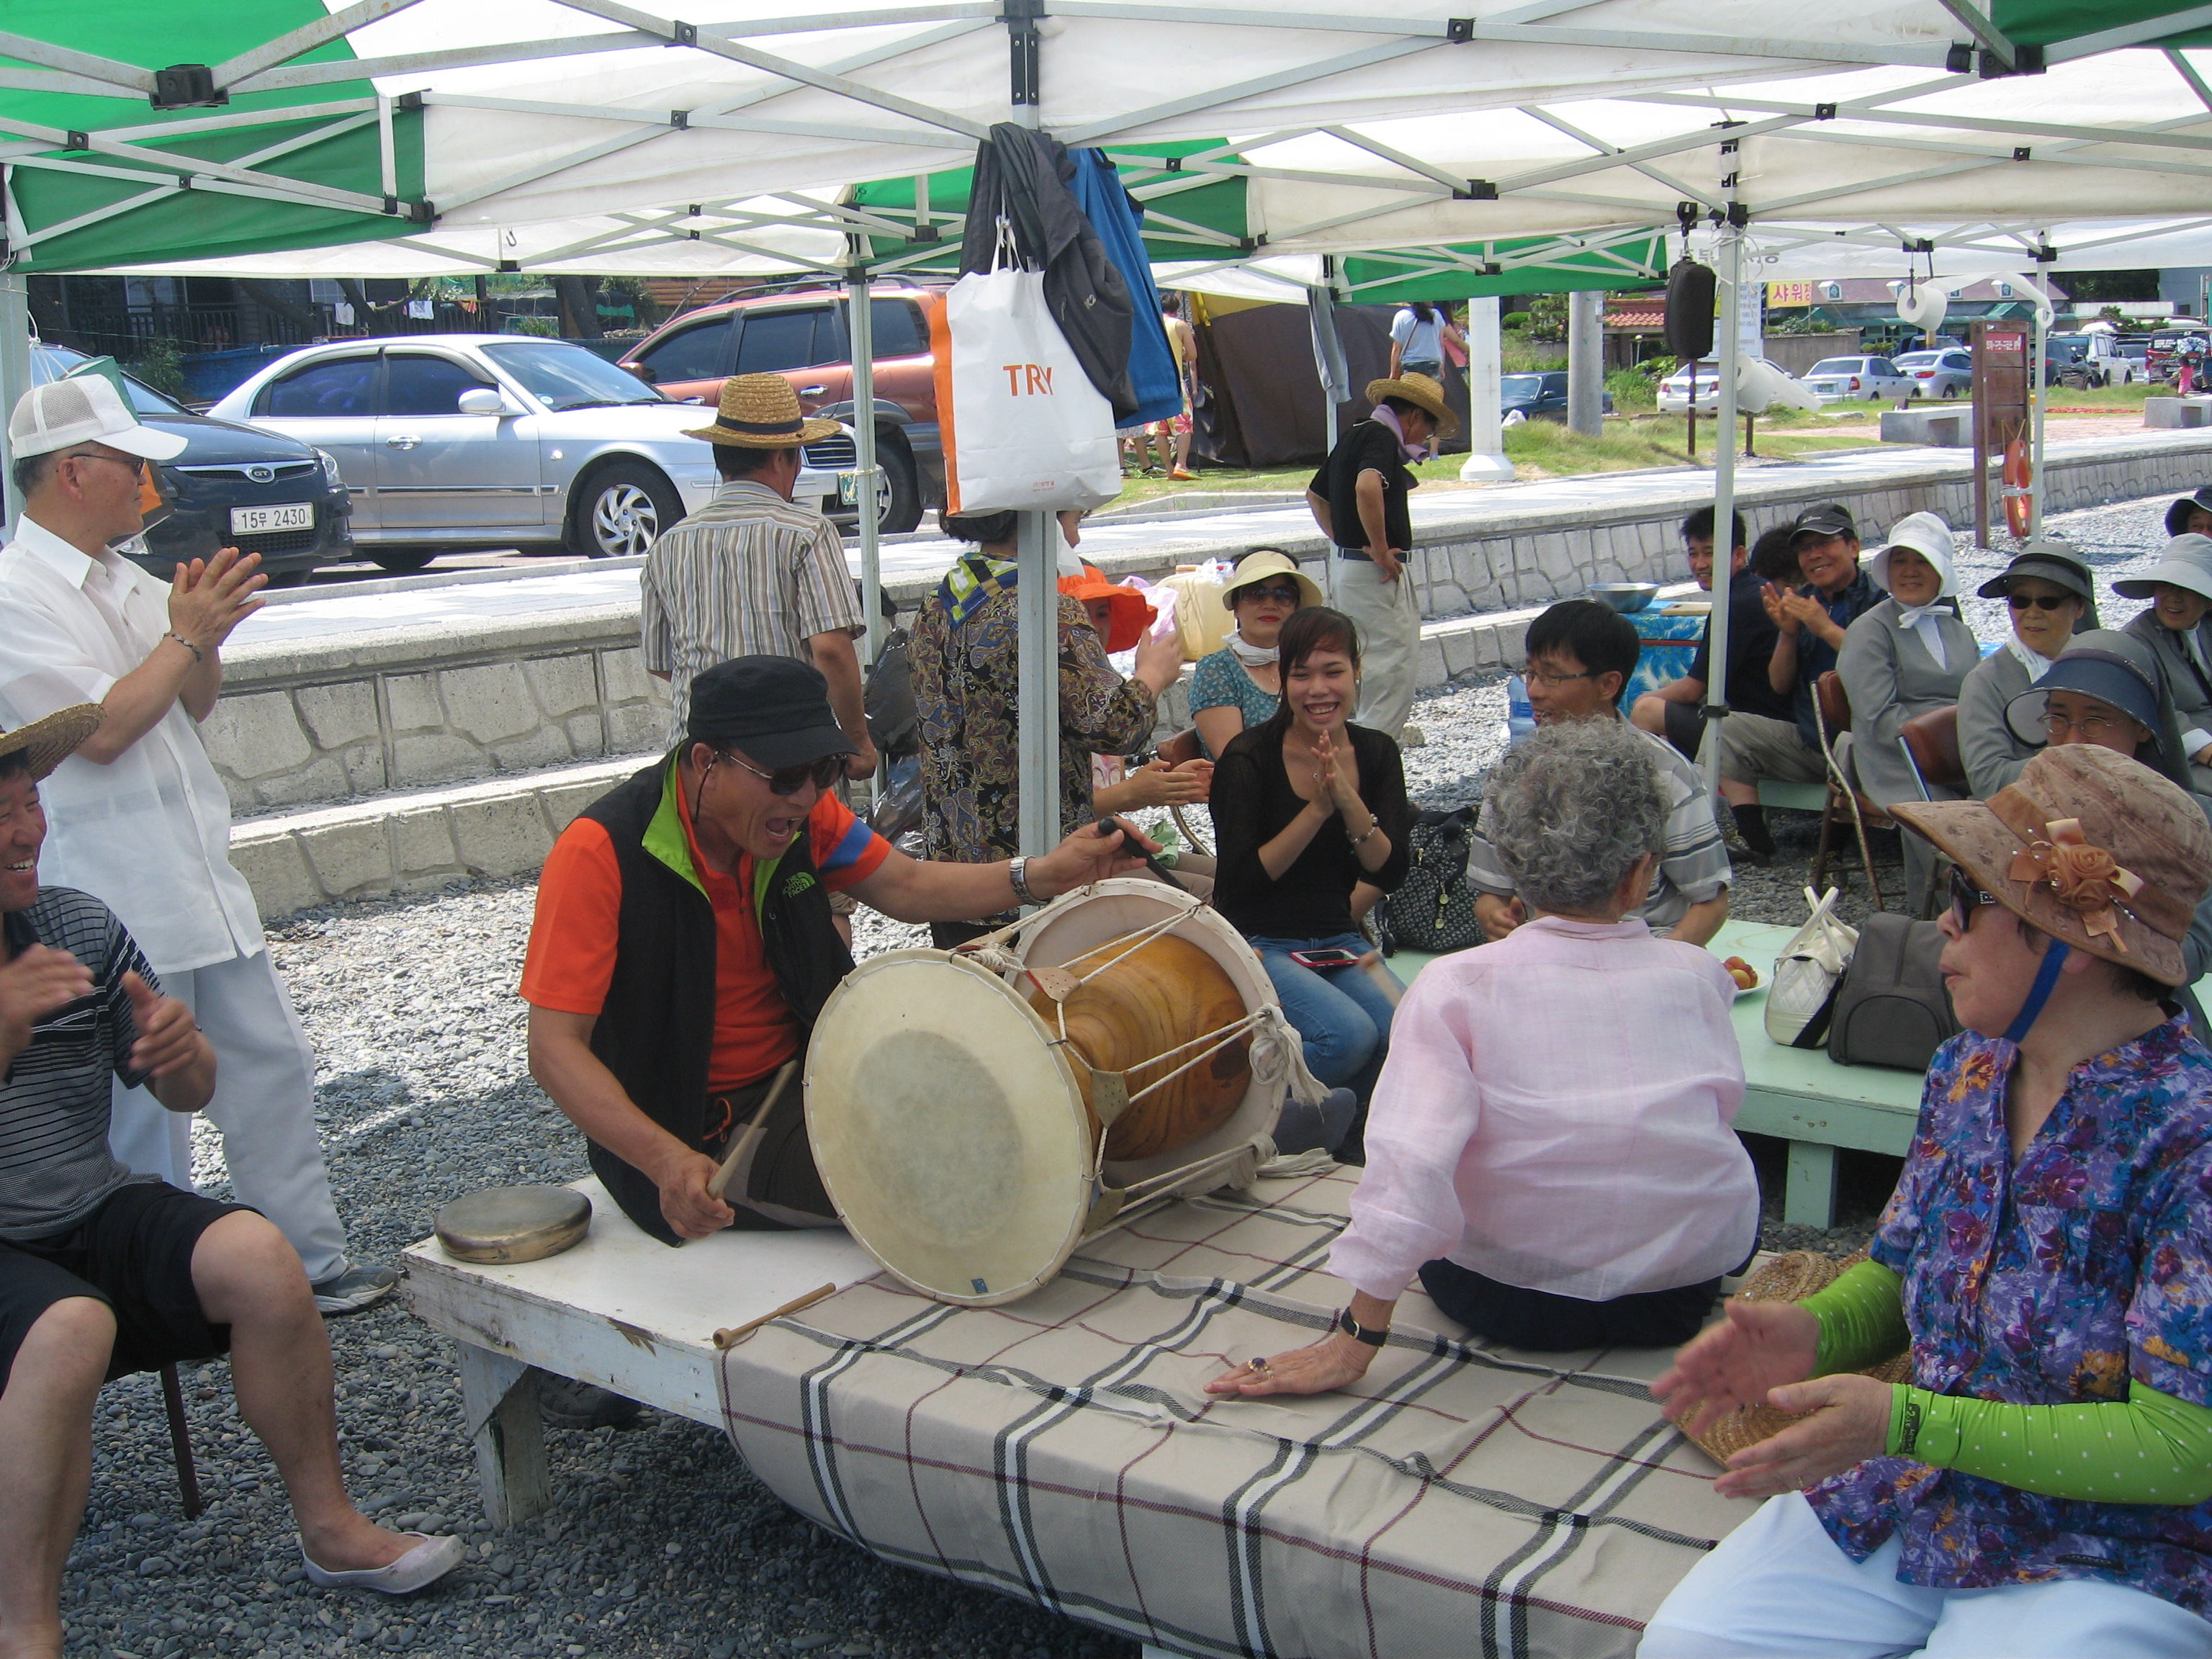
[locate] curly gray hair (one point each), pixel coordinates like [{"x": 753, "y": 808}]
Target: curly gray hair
[{"x": 1572, "y": 808}]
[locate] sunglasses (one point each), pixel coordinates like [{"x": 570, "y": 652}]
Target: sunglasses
[
  {"x": 2039, "y": 601},
  {"x": 1282, "y": 595},
  {"x": 790, "y": 780},
  {"x": 1966, "y": 899}
]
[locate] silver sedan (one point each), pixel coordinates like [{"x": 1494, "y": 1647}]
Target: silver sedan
[{"x": 452, "y": 441}]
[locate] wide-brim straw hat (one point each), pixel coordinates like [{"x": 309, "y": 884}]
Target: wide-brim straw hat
[
  {"x": 1132, "y": 614},
  {"x": 2186, "y": 563},
  {"x": 1258, "y": 566},
  {"x": 50, "y": 741},
  {"x": 760, "y": 411},
  {"x": 2176, "y": 515},
  {"x": 1422, "y": 393},
  {"x": 2087, "y": 846}
]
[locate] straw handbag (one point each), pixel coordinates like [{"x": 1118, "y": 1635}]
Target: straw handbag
[{"x": 1790, "y": 1277}]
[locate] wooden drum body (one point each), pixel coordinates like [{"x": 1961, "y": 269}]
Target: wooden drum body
[{"x": 959, "y": 1133}]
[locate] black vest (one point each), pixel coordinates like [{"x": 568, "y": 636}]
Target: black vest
[{"x": 656, "y": 1031}]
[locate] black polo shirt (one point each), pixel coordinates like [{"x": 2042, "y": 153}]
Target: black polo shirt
[
  {"x": 1751, "y": 637},
  {"x": 1815, "y": 656},
  {"x": 1369, "y": 446}
]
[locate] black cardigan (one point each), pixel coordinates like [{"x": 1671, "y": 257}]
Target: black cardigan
[{"x": 1252, "y": 802}]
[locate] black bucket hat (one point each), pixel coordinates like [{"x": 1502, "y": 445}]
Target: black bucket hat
[{"x": 2177, "y": 516}]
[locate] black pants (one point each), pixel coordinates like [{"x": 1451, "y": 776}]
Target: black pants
[
  {"x": 775, "y": 1185},
  {"x": 1541, "y": 1321}
]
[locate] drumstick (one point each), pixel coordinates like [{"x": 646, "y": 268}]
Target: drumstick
[
  {"x": 744, "y": 1143},
  {"x": 1384, "y": 980},
  {"x": 737, "y": 1334}
]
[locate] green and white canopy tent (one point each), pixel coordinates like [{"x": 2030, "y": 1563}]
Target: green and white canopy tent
[{"x": 595, "y": 134}]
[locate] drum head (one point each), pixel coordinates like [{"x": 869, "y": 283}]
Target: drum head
[
  {"x": 514, "y": 1224},
  {"x": 947, "y": 1128},
  {"x": 1121, "y": 905}
]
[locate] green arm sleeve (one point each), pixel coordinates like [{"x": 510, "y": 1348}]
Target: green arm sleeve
[
  {"x": 1862, "y": 1319},
  {"x": 2148, "y": 1448}
]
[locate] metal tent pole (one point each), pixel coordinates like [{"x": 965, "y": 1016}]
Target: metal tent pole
[
  {"x": 2040, "y": 380},
  {"x": 1036, "y": 680},
  {"x": 862, "y": 330},
  {"x": 1731, "y": 357},
  {"x": 15, "y": 372},
  {"x": 1485, "y": 461}
]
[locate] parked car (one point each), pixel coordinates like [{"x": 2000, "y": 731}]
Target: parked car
[
  {"x": 1939, "y": 373},
  {"x": 804, "y": 338},
  {"x": 2163, "y": 357},
  {"x": 1834, "y": 379},
  {"x": 450, "y": 441},
  {"x": 2093, "y": 356},
  {"x": 1540, "y": 396},
  {"x": 1674, "y": 389},
  {"x": 234, "y": 486}
]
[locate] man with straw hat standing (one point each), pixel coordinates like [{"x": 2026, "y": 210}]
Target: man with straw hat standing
[
  {"x": 1358, "y": 500},
  {"x": 2043, "y": 1484},
  {"x": 139, "y": 818},
  {"x": 753, "y": 574}
]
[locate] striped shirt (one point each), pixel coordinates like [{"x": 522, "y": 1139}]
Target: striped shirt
[
  {"x": 1693, "y": 868},
  {"x": 749, "y": 575},
  {"x": 55, "y": 1167}
]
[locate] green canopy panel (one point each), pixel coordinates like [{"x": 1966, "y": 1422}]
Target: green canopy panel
[
  {"x": 1186, "y": 216},
  {"x": 231, "y": 184},
  {"x": 2050, "y": 23},
  {"x": 1471, "y": 271}
]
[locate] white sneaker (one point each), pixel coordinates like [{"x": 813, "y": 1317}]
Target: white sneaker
[{"x": 354, "y": 1289}]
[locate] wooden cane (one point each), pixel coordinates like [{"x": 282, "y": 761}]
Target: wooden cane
[
  {"x": 737, "y": 1334},
  {"x": 747, "y": 1140}
]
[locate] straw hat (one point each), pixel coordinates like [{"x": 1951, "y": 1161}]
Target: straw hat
[
  {"x": 1258, "y": 566},
  {"x": 2186, "y": 563},
  {"x": 1132, "y": 613},
  {"x": 1422, "y": 393},
  {"x": 760, "y": 411},
  {"x": 51, "y": 740},
  {"x": 2089, "y": 847}
]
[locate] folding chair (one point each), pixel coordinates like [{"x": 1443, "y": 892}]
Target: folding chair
[
  {"x": 1831, "y": 713},
  {"x": 1930, "y": 742}
]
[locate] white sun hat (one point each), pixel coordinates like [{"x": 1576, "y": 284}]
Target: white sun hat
[{"x": 84, "y": 409}]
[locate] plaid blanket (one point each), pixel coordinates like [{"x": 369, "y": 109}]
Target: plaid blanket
[{"x": 1060, "y": 1449}]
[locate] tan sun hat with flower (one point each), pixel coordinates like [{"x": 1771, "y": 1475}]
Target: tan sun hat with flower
[
  {"x": 760, "y": 411},
  {"x": 50, "y": 741},
  {"x": 2087, "y": 846}
]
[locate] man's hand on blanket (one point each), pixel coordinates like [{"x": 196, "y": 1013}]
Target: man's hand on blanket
[
  {"x": 1758, "y": 1346},
  {"x": 1335, "y": 1362},
  {"x": 1849, "y": 1423}
]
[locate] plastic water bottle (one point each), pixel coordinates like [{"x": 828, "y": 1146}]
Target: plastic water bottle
[{"x": 1520, "y": 718}]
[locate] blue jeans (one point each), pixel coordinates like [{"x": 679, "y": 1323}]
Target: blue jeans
[{"x": 1340, "y": 1013}]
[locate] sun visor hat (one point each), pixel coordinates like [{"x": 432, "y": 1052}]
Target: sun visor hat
[
  {"x": 774, "y": 711},
  {"x": 2094, "y": 672},
  {"x": 2186, "y": 563},
  {"x": 85, "y": 409}
]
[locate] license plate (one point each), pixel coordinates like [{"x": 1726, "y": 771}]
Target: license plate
[{"x": 260, "y": 520}]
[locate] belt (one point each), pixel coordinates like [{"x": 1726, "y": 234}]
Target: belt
[{"x": 1358, "y": 553}]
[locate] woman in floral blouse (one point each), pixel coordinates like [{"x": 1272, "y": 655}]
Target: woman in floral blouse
[{"x": 2043, "y": 1486}]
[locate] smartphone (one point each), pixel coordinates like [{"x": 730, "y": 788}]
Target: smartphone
[{"x": 1332, "y": 957}]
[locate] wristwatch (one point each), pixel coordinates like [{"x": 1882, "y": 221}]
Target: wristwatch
[
  {"x": 1359, "y": 1332},
  {"x": 1018, "y": 873}
]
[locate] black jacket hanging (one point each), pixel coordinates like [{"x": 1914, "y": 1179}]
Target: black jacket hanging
[{"x": 1023, "y": 176}]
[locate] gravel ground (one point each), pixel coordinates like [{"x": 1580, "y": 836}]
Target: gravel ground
[{"x": 660, "y": 1542}]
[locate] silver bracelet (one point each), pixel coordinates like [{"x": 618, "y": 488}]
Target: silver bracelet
[
  {"x": 198, "y": 655},
  {"x": 1373, "y": 824},
  {"x": 1018, "y": 873}
]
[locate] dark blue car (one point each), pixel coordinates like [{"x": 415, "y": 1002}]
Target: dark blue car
[{"x": 1540, "y": 396}]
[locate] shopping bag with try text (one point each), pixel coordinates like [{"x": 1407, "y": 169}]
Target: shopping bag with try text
[{"x": 1023, "y": 428}]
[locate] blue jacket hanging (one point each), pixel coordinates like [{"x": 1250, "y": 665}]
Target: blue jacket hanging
[{"x": 1119, "y": 220}]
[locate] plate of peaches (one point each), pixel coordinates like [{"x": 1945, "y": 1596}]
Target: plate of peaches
[{"x": 1744, "y": 975}]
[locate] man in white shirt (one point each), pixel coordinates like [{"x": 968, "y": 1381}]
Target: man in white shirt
[{"x": 137, "y": 816}]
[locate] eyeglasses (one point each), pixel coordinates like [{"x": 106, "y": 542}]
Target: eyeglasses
[
  {"x": 790, "y": 780},
  {"x": 136, "y": 463},
  {"x": 1547, "y": 678},
  {"x": 2092, "y": 727},
  {"x": 1281, "y": 595},
  {"x": 1966, "y": 899},
  {"x": 2019, "y": 601}
]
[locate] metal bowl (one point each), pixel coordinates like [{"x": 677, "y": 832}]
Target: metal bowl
[{"x": 1626, "y": 597}]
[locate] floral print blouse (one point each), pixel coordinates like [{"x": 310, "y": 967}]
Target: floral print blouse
[
  {"x": 2052, "y": 1281},
  {"x": 964, "y": 689}
]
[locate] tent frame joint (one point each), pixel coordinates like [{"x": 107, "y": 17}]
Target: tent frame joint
[{"x": 187, "y": 86}]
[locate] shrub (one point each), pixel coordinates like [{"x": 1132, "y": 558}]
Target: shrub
[
  {"x": 163, "y": 367},
  {"x": 1514, "y": 320},
  {"x": 1633, "y": 391}
]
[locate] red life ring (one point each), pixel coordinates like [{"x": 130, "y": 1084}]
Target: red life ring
[{"x": 2018, "y": 474}]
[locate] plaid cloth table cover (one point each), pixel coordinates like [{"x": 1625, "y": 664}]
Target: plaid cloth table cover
[{"x": 1060, "y": 1449}]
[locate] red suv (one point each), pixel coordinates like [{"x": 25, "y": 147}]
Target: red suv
[{"x": 803, "y": 337}]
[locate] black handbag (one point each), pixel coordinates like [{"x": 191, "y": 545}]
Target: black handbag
[
  {"x": 1890, "y": 1006},
  {"x": 1433, "y": 909}
]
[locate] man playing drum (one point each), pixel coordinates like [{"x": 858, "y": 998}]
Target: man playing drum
[{"x": 683, "y": 948}]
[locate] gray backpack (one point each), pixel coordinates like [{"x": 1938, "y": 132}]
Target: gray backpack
[{"x": 1891, "y": 1008}]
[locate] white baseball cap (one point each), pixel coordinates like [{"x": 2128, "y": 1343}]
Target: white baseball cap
[{"x": 85, "y": 409}]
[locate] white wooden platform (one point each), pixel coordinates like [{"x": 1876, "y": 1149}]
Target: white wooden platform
[{"x": 621, "y": 1311}]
